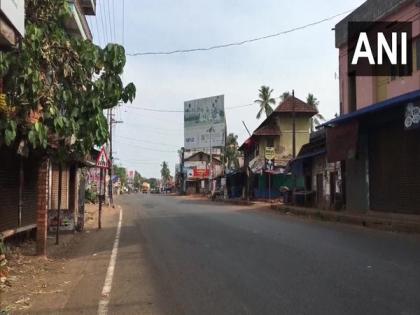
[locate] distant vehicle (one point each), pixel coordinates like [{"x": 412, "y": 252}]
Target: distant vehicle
[
  {"x": 145, "y": 188},
  {"x": 155, "y": 191}
]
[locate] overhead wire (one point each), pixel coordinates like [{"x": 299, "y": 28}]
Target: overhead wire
[
  {"x": 101, "y": 17},
  {"x": 146, "y": 148},
  {"x": 181, "y": 111},
  {"x": 238, "y": 43},
  {"x": 149, "y": 142},
  {"x": 113, "y": 18},
  {"x": 110, "y": 22}
]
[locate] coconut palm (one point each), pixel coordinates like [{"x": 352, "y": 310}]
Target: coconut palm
[
  {"x": 284, "y": 96},
  {"x": 265, "y": 100},
  {"x": 318, "y": 119}
]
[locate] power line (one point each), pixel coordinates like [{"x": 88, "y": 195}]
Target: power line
[
  {"x": 113, "y": 18},
  {"x": 240, "y": 43},
  {"x": 123, "y": 22},
  {"x": 95, "y": 21},
  {"x": 149, "y": 142},
  {"x": 104, "y": 29},
  {"x": 155, "y": 110},
  {"x": 110, "y": 22},
  {"x": 181, "y": 111},
  {"x": 149, "y": 149}
]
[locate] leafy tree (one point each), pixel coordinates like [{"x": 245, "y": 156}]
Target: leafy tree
[
  {"x": 284, "y": 96},
  {"x": 153, "y": 182},
  {"x": 57, "y": 86},
  {"x": 232, "y": 153},
  {"x": 121, "y": 172},
  {"x": 138, "y": 180},
  {"x": 265, "y": 100},
  {"x": 318, "y": 118},
  {"x": 165, "y": 173}
]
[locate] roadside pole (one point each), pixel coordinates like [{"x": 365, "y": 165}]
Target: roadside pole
[
  {"x": 103, "y": 164},
  {"x": 60, "y": 177},
  {"x": 101, "y": 173},
  {"x": 294, "y": 144},
  {"x": 269, "y": 186}
]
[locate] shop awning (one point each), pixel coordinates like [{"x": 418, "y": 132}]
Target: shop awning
[
  {"x": 311, "y": 154},
  {"x": 387, "y": 104}
]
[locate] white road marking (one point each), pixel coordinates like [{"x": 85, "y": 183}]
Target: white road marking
[{"x": 106, "y": 290}]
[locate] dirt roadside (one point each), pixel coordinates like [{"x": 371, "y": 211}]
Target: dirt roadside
[{"x": 40, "y": 285}]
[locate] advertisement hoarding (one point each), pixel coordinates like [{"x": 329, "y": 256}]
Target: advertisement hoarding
[
  {"x": 201, "y": 117},
  {"x": 14, "y": 10}
]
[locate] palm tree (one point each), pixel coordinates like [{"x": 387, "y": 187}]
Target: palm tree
[
  {"x": 284, "y": 96},
  {"x": 232, "y": 153},
  {"x": 264, "y": 101},
  {"x": 318, "y": 118}
]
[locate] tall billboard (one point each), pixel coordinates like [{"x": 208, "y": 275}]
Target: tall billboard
[
  {"x": 204, "y": 119},
  {"x": 14, "y": 10}
]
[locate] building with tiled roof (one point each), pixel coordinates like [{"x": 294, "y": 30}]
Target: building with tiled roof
[{"x": 276, "y": 131}]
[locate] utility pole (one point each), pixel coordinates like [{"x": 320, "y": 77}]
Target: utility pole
[
  {"x": 112, "y": 121},
  {"x": 246, "y": 128},
  {"x": 294, "y": 123},
  {"x": 111, "y": 198},
  {"x": 211, "y": 161},
  {"x": 294, "y": 141},
  {"x": 182, "y": 171}
]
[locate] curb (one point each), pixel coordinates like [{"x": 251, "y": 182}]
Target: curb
[
  {"x": 378, "y": 223},
  {"x": 235, "y": 202}
]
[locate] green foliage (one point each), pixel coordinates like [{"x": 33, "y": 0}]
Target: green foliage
[
  {"x": 58, "y": 85},
  {"x": 90, "y": 196},
  {"x": 121, "y": 172},
  {"x": 138, "y": 180},
  {"x": 265, "y": 101},
  {"x": 153, "y": 182},
  {"x": 165, "y": 172},
  {"x": 318, "y": 119},
  {"x": 232, "y": 153},
  {"x": 284, "y": 96}
]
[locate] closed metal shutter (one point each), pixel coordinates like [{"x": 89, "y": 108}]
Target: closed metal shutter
[
  {"x": 9, "y": 190},
  {"x": 30, "y": 191},
  {"x": 64, "y": 188},
  {"x": 394, "y": 168}
]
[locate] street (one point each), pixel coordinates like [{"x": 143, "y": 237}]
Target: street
[{"x": 179, "y": 256}]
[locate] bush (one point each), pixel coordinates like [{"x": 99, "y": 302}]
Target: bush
[{"x": 90, "y": 196}]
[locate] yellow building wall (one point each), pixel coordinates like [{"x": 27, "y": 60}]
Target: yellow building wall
[
  {"x": 303, "y": 125},
  {"x": 284, "y": 143}
]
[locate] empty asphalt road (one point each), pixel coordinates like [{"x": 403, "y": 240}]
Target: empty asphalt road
[{"x": 180, "y": 256}]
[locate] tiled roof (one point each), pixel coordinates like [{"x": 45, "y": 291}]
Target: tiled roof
[
  {"x": 299, "y": 106},
  {"x": 268, "y": 130},
  {"x": 248, "y": 142}
]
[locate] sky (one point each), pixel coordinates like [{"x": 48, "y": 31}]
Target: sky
[{"x": 305, "y": 60}]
